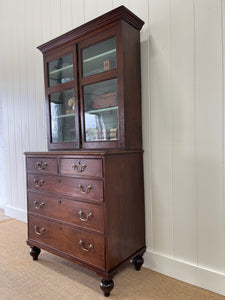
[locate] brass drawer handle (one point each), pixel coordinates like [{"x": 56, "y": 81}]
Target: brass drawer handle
[
  {"x": 81, "y": 188},
  {"x": 38, "y": 205},
  {"x": 79, "y": 168},
  {"x": 82, "y": 218},
  {"x": 41, "y": 165},
  {"x": 82, "y": 245},
  {"x": 39, "y": 231},
  {"x": 37, "y": 183}
]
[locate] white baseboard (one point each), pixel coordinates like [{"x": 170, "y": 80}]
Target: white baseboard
[
  {"x": 16, "y": 213},
  {"x": 196, "y": 275}
]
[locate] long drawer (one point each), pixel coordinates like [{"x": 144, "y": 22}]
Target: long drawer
[
  {"x": 76, "y": 212},
  {"x": 76, "y": 187},
  {"x": 87, "y": 247}
]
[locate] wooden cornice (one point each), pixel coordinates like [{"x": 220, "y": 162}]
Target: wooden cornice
[{"x": 119, "y": 13}]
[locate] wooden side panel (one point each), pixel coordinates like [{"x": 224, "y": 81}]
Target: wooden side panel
[
  {"x": 124, "y": 203},
  {"x": 132, "y": 87}
]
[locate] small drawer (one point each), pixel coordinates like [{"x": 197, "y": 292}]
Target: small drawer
[
  {"x": 87, "y": 247},
  {"x": 81, "y": 167},
  {"x": 79, "y": 213},
  {"x": 41, "y": 165},
  {"x": 84, "y": 189}
]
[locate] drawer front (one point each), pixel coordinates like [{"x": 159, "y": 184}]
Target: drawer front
[
  {"x": 42, "y": 165},
  {"x": 81, "y": 167},
  {"x": 76, "y": 187},
  {"x": 82, "y": 245},
  {"x": 80, "y": 213}
]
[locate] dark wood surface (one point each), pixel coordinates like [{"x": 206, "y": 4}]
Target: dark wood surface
[
  {"x": 132, "y": 87},
  {"x": 124, "y": 207},
  {"x": 80, "y": 153}
]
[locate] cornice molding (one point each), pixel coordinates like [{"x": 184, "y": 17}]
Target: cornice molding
[{"x": 119, "y": 13}]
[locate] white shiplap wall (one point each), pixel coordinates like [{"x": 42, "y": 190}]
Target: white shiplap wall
[
  {"x": 2, "y": 164},
  {"x": 182, "y": 61}
]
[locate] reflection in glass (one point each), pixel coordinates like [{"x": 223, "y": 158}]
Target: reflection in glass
[
  {"x": 61, "y": 70},
  {"x": 101, "y": 111},
  {"x": 62, "y": 107},
  {"x": 99, "y": 58}
]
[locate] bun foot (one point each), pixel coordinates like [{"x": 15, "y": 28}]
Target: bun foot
[
  {"x": 34, "y": 252},
  {"x": 106, "y": 286},
  {"x": 138, "y": 262}
]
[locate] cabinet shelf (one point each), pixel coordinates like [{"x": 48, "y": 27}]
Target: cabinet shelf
[
  {"x": 65, "y": 116},
  {"x": 99, "y": 55},
  {"x": 100, "y": 110},
  {"x": 61, "y": 69}
]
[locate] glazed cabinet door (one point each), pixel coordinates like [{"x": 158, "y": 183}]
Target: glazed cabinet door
[
  {"x": 101, "y": 90},
  {"x": 62, "y": 99}
]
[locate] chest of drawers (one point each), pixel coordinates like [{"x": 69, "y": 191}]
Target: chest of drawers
[{"x": 87, "y": 207}]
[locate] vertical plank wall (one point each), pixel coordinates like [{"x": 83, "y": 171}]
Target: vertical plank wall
[{"x": 182, "y": 61}]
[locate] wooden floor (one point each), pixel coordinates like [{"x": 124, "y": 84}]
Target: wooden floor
[{"x": 55, "y": 278}]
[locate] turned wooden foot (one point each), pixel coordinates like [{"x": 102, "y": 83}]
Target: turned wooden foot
[
  {"x": 138, "y": 262},
  {"x": 34, "y": 252},
  {"x": 106, "y": 286}
]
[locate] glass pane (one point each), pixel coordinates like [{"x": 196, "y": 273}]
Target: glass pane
[
  {"x": 101, "y": 111},
  {"x": 62, "y": 107},
  {"x": 99, "y": 58},
  {"x": 61, "y": 70}
]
